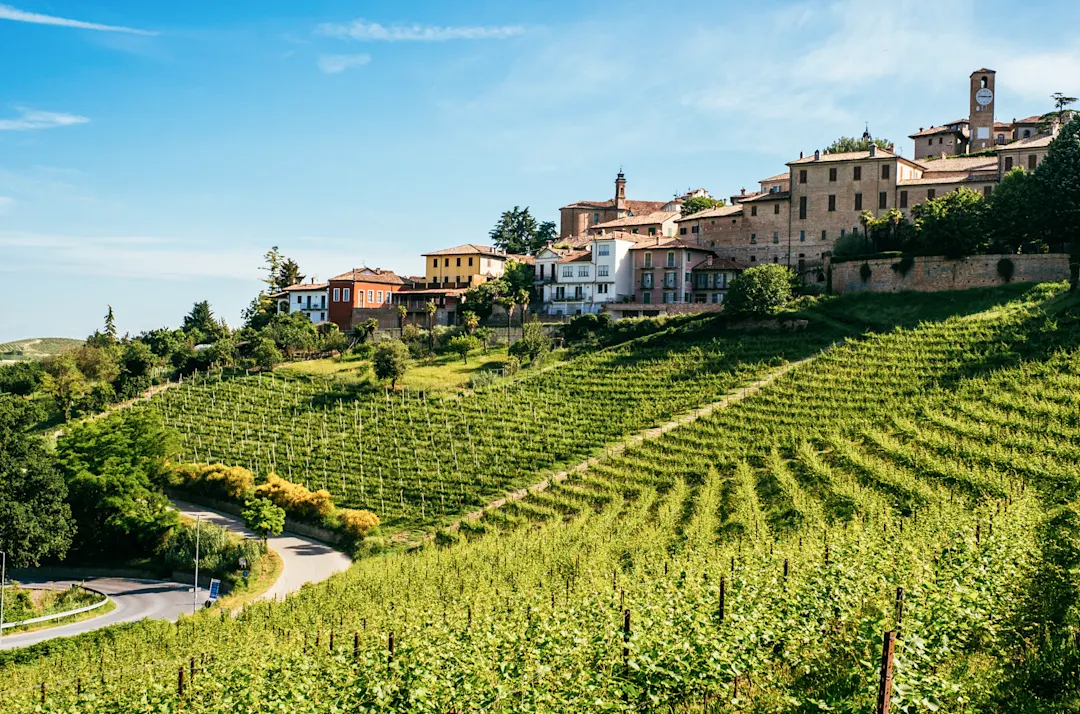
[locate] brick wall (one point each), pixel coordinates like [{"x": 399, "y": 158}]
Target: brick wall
[{"x": 933, "y": 273}]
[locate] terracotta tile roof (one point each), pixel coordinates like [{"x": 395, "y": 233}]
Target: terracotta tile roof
[
  {"x": 1034, "y": 119},
  {"x": 934, "y": 130},
  {"x": 526, "y": 259},
  {"x": 778, "y": 177},
  {"x": 369, "y": 275},
  {"x": 1002, "y": 125},
  {"x": 468, "y": 248},
  {"x": 576, "y": 256},
  {"x": 1034, "y": 142},
  {"x": 449, "y": 292},
  {"x": 942, "y": 179},
  {"x": 958, "y": 163},
  {"x": 734, "y": 209},
  {"x": 636, "y": 220},
  {"x": 669, "y": 243},
  {"x": 305, "y": 286},
  {"x": 843, "y": 156},
  {"x": 635, "y": 207},
  {"x": 768, "y": 196}
]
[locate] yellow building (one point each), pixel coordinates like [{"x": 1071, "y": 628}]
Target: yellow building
[{"x": 464, "y": 266}]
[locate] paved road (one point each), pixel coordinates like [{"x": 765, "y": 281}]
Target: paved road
[
  {"x": 304, "y": 560},
  {"x": 135, "y": 600}
]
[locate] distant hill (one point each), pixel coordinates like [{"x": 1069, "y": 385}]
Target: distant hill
[{"x": 36, "y": 348}]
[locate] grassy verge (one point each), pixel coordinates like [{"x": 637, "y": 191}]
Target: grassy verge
[
  {"x": 98, "y": 612},
  {"x": 245, "y": 591}
]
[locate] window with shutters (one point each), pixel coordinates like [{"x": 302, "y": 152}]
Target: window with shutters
[{"x": 832, "y": 202}]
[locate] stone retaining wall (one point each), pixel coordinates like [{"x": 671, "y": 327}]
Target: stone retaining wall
[{"x": 936, "y": 273}]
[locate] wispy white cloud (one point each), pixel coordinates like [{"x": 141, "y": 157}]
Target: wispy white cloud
[
  {"x": 373, "y": 31},
  {"x": 30, "y": 119},
  {"x": 10, "y": 13},
  {"x": 336, "y": 64}
]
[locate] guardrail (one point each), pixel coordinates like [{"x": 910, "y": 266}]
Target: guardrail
[{"x": 59, "y": 615}]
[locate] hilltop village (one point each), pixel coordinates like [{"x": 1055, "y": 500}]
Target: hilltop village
[{"x": 631, "y": 257}]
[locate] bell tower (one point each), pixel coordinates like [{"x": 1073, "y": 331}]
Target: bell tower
[
  {"x": 620, "y": 194},
  {"x": 982, "y": 110}
]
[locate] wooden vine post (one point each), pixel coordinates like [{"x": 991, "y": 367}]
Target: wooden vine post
[
  {"x": 899, "y": 610},
  {"x": 885, "y": 685},
  {"x": 180, "y": 682},
  {"x": 723, "y": 596}
]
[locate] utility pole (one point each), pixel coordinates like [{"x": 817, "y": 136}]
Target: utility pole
[
  {"x": 3, "y": 583},
  {"x": 195, "y": 595}
]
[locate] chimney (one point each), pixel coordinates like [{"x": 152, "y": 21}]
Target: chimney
[
  {"x": 742, "y": 191},
  {"x": 800, "y": 154},
  {"x": 873, "y": 149},
  {"x": 920, "y": 129},
  {"x": 817, "y": 154}
]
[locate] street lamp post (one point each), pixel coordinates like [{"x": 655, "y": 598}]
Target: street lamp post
[
  {"x": 3, "y": 582},
  {"x": 195, "y": 591}
]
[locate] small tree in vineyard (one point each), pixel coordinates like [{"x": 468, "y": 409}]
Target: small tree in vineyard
[
  {"x": 391, "y": 360},
  {"x": 760, "y": 290}
]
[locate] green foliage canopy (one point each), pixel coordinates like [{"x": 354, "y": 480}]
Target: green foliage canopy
[{"x": 760, "y": 290}]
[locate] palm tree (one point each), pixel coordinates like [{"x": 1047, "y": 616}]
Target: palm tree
[
  {"x": 470, "y": 320},
  {"x": 369, "y": 326},
  {"x": 357, "y": 335},
  {"x": 509, "y": 301},
  {"x": 431, "y": 308},
  {"x": 523, "y": 300},
  {"x": 402, "y": 311}
]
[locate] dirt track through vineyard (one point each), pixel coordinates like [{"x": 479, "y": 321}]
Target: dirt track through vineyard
[{"x": 732, "y": 397}]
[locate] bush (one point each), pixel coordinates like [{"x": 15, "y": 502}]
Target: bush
[
  {"x": 296, "y": 499},
  {"x": 21, "y": 378},
  {"x": 582, "y": 326},
  {"x": 760, "y": 290},
  {"x": 364, "y": 350},
  {"x": 357, "y": 523},
  {"x": 411, "y": 333},
  {"x": 511, "y": 366},
  {"x": 233, "y": 483},
  {"x": 483, "y": 378},
  {"x": 218, "y": 554},
  {"x": 391, "y": 360},
  {"x": 865, "y": 272},
  {"x": 904, "y": 266},
  {"x": 1005, "y": 269},
  {"x": 534, "y": 342},
  {"x": 462, "y": 345}
]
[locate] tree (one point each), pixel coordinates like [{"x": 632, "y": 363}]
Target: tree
[
  {"x": 273, "y": 259},
  {"x": 534, "y": 342},
  {"x": 518, "y": 275},
  {"x": 391, "y": 360},
  {"x": 470, "y": 320},
  {"x": 288, "y": 274},
  {"x": 891, "y": 231},
  {"x": 430, "y": 308},
  {"x": 370, "y": 326},
  {"x": 402, "y": 313},
  {"x": 201, "y": 323},
  {"x": 760, "y": 290},
  {"x": 292, "y": 332},
  {"x": 697, "y": 204},
  {"x": 849, "y": 143},
  {"x": 463, "y": 345},
  {"x": 1057, "y": 180},
  {"x": 64, "y": 383},
  {"x": 137, "y": 362},
  {"x": 223, "y": 352},
  {"x": 330, "y": 338},
  {"x": 263, "y": 518},
  {"x": 112, "y": 467},
  {"x": 518, "y": 232},
  {"x": 508, "y": 302},
  {"x": 35, "y": 520},
  {"x": 266, "y": 354},
  {"x": 22, "y": 378},
  {"x": 110, "y": 324},
  {"x": 1009, "y": 226},
  {"x": 1060, "y": 113},
  {"x": 952, "y": 225},
  {"x": 481, "y": 299},
  {"x": 522, "y": 299}
]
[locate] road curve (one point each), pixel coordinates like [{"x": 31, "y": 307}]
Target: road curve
[
  {"x": 304, "y": 560},
  {"x": 134, "y": 599}
]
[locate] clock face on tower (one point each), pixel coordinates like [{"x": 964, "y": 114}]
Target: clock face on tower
[{"x": 984, "y": 96}]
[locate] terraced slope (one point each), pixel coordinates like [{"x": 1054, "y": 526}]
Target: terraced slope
[{"x": 748, "y": 561}]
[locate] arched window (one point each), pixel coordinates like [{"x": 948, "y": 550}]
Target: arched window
[
  {"x": 983, "y": 86},
  {"x": 1001, "y": 138}
]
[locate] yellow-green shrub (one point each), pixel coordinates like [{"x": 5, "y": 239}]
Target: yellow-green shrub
[
  {"x": 217, "y": 480},
  {"x": 357, "y": 523},
  {"x": 296, "y": 499}
]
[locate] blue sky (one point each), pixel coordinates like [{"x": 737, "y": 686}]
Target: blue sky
[{"x": 151, "y": 152}]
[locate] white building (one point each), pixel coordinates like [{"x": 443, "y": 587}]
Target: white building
[
  {"x": 309, "y": 298},
  {"x": 582, "y": 275}
]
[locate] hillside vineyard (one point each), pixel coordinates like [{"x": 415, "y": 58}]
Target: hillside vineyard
[
  {"x": 753, "y": 556},
  {"x": 414, "y": 459}
]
